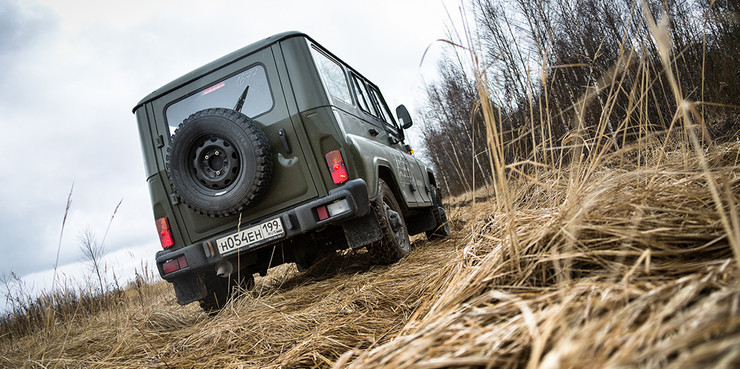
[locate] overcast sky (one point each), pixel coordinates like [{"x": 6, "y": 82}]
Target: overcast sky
[{"x": 71, "y": 71}]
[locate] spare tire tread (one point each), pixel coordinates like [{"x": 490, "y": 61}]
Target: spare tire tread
[{"x": 243, "y": 133}]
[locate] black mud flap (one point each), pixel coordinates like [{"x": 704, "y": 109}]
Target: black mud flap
[
  {"x": 362, "y": 231},
  {"x": 421, "y": 222},
  {"x": 189, "y": 287}
]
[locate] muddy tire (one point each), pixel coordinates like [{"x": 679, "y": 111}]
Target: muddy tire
[
  {"x": 395, "y": 243},
  {"x": 442, "y": 227},
  {"x": 219, "y": 162}
]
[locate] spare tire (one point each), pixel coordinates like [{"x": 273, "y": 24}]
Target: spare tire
[{"x": 219, "y": 162}]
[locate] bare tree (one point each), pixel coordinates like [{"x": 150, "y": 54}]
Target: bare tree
[
  {"x": 585, "y": 68},
  {"x": 93, "y": 252}
]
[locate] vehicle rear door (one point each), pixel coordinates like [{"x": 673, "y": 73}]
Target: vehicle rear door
[{"x": 292, "y": 182}]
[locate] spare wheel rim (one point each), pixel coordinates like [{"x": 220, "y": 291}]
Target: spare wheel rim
[{"x": 215, "y": 163}]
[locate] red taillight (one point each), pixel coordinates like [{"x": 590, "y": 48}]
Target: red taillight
[
  {"x": 322, "y": 212},
  {"x": 174, "y": 265},
  {"x": 336, "y": 167},
  {"x": 165, "y": 235}
]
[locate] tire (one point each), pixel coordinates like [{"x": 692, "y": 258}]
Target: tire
[
  {"x": 395, "y": 243},
  {"x": 441, "y": 228},
  {"x": 219, "y": 162},
  {"x": 220, "y": 290}
]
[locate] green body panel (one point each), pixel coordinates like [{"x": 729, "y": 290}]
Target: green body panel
[{"x": 304, "y": 79}]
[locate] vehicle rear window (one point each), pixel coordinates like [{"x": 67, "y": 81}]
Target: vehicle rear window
[{"x": 226, "y": 94}]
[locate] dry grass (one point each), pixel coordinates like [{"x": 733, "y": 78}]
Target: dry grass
[
  {"x": 627, "y": 257},
  {"x": 632, "y": 269}
]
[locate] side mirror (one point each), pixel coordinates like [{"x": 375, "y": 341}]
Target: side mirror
[{"x": 404, "y": 117}]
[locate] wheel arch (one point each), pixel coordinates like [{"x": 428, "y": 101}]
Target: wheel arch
[{"x": 385, "y": 173}]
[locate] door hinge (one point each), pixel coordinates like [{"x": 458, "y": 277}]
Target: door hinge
[{"x": 159, "y": 141}]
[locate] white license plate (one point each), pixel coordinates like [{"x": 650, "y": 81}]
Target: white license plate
[{"x": 254, "y": 235}]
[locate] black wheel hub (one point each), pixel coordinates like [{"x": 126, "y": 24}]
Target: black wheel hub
[
  {"x": 216, "y": 163},
  {"x": 395, "y": 222},
  {"x": 393, "y": 219}
]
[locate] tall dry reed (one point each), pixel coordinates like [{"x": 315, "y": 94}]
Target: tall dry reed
[{"x": 626, "y": 256}]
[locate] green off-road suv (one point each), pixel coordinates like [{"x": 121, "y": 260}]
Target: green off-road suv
[{"x": 276, "y": 153}]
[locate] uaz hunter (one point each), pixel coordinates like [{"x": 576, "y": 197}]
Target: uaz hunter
[{"x": 276, "y": 153}]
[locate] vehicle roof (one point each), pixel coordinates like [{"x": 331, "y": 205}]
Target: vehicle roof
[{"x": 218, "y": 63}]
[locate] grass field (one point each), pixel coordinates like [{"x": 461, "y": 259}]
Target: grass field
[
  {"x": 627, "y": 264},
  {"x": 622, "y": 256}
]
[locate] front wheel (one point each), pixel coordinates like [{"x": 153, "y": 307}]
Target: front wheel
[{"x": 395, "y": 243}]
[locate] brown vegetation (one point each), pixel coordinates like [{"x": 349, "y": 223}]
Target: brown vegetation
[
  {"x": 615, "y": 244},
  {"x": 558, "y": 72},
  {"x": 627, "y": 266}
]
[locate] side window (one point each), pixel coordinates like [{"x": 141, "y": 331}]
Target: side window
[
  {"x": 385, "y": 115},
  {"x": 363, "y": 97},
  {"x": 332, "y": 75}
]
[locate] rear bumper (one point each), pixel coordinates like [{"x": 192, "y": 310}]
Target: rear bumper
[{"x": 296, "y": 221}]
